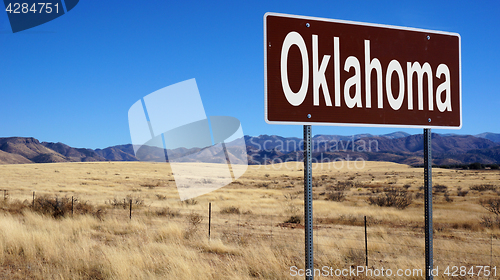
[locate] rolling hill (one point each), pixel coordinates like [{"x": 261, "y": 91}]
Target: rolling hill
[
  {"x": 396, "y": 147},
  {"x": 495, "y": 137}
]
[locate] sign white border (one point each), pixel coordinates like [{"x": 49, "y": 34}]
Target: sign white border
[{"x": 363, "y": 24}]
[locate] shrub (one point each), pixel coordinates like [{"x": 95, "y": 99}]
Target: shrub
[
  {"x": 161, "y": 196},
  {"x": 194, "y": 220},
  {"x": 264, "y": 185},
  {"x": 82, "y": 207},
  {"x": 342, "y": 186},
  {"x": 167, "y": 212},
  {"x": 483, "y": 187},
  {"x": 345, "y": 185},
  {"x": 462, "y": 193},
  {"x": 116, "y": 203},
  {"x": 440, "y": 188},
  {"x": 490, "y": 222},
  {"x": 125, "y": 203},
  {"x": 14, "y": 206},
  {"x": 475, "y": 166},
  {"x": 338, "y": 196},
  {"x": 60, "y": 207},
  {"x": 447, "y": 197},
  {"x": 392, "y": 197},
  {"x": 295, "y": 219},
  {"x": 190, "y": 201},
  {"x": 230, "y": 210},
  {"x": 137, "y": 201},
  {"x": 51, "y": 206},
  {"x": 492, "y": 205}
]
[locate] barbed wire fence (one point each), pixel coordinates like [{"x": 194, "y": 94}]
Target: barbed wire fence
[{"x": 373, "y": 243}]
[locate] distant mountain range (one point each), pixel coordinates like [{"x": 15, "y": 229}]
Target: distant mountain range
[
  {"x": 396, "y": 147},
  {"x": 400, "y": 147}
]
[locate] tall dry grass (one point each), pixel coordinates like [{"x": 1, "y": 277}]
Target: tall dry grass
[
  {"x": 39, "y": 247},
  {"x": 165, "y": 239}
]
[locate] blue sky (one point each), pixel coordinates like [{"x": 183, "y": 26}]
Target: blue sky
[{"x": 73, "y": 79}]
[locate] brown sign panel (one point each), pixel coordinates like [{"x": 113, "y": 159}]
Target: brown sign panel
[{"x": 330, "y": 72}]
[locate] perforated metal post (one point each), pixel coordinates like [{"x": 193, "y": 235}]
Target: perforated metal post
[
  {"x": 428, "y": 203},
  {"x": 308, "y": 207}
]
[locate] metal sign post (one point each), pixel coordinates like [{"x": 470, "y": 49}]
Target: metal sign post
[
  {"x": 308, "y": 207},
  {"x": 428, "y": 203},
  {"x": 303, "y": 81}
]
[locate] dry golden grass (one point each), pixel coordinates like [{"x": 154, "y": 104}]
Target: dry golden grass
[{"x": 167, "y": 239}]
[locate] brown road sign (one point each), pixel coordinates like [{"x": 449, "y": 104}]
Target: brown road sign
[{"x": 330, "y": 72}]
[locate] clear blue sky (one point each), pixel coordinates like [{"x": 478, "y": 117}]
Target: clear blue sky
[{"x": 73, "y": 79}]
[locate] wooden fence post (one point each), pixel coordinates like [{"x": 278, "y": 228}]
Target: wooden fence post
[
  {"x": 366, "y": 245},
  {"x": 209, "y": 218},
  {"x": 131, "y": 209}
]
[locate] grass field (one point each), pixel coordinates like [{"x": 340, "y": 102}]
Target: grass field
[{"x": 254, "y": 229}]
